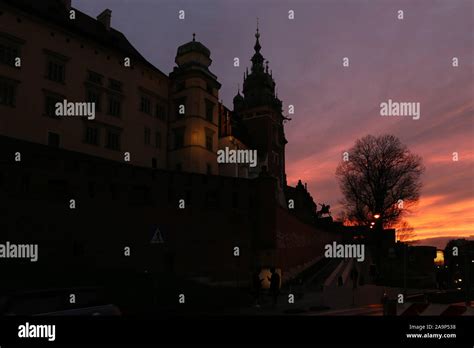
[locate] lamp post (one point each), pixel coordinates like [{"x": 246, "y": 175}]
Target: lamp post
[
  {"x": 467, "y": 278},
  {"x": 376, "y": 240},
  {"x": 405, "y": 247},
  {"x": 377, "y": 221}
]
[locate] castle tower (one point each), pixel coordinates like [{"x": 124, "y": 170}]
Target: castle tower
[
  {"x": 261, "y": 112},
  {"x": 193, "y": 127}
]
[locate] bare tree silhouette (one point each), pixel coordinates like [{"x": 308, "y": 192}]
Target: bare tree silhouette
[{"x": 379, "y": 175}]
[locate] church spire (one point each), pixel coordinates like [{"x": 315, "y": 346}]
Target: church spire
[
  {"x": 257, "y": 59},
  {"x": 257, "y": 46}
]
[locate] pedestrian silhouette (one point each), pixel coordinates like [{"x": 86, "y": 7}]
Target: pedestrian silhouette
[
  {"x": 274, "y": 286},
  {"x": 384, "y": 301},
  {"x": 256, "y": 287},
  {"x": 354, "y": 276}
]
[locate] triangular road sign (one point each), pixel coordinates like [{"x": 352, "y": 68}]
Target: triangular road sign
[{"x": 157, "y": 237}]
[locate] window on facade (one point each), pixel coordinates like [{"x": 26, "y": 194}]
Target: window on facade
[
  {"x": 209, "y": 142},
  {"x": 7, "y": 92},
  {"x": 158, "y": 140},
  {"x": 91, "y": 135},
  {"x": 56, "y": 70},
  {"x": 145, "y": 105},
  {"x": 53, "y": 139},
  {"x": 178, "y": 138},
  {"x": 114, "y": 106},
  {"x": 209, "y": 111},
  {"x": 209, "y": 139},
  {"x": 93, "y": 96},
  {"x": 50, "y": 101},
  {"x": 94, "y": 77},
  {"x": 113, "y": 140},
  {"x": 147, "y": 136},
  {"x": 160, "y": 111},
  {"x": 9, "y": 51},
  {"x": 115, "y": 85}
]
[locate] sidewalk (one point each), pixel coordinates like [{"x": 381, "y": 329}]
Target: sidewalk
[
  {"x": 329, "y": 300},
  {"x": 300, "y": 305}
]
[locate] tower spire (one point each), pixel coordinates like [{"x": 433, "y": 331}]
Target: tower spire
[
  {"x": 257, "y": 59},
  {"x": 257, "y": 46}
]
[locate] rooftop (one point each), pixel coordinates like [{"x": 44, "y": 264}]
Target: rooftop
[{"x": 55, "y": 12}]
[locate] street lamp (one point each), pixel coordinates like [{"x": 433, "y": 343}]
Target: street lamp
[{"x": 376, "y": 216}]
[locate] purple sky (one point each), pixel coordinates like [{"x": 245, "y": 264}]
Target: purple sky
[{"x": 404, "y": 60}]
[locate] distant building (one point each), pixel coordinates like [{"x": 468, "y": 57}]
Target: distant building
[
  {"x": 410, "y": 266},
  {"x": 459, "y": 264},
  {"x": 439, "y": 260}
]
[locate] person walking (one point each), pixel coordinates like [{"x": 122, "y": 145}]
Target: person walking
[
  {"x": 256, "y": 287},
  {"x": 274, "y": 286}
]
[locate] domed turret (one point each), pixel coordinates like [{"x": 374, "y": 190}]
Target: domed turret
[
  {"x": 193, "y": 52},
  {"x": 238, "y": 101},
  {"x": 193, "y": 46}
]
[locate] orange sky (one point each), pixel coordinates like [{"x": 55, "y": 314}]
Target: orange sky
[{"x": 435, "y": 215}]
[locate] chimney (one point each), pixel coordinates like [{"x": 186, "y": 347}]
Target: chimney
[
  {"x": 66, "y": 4},
  {"x": 105, "y": 17}
]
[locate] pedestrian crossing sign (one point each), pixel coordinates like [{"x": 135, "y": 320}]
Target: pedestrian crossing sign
[{"x": 157, "y": 236}]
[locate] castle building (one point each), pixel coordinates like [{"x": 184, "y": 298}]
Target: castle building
[
  {"x": 153, "y": 140},
  {"x": 142, "y": 115}
]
